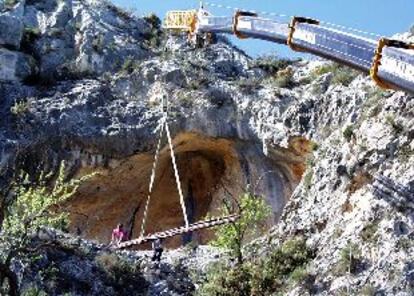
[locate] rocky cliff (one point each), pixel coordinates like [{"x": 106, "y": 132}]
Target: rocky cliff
[{"x": 82, "y": 81}]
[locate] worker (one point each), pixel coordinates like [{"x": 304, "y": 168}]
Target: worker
[
  {"x": 118, "y": 234},
  {"x": 157, "y": 248}
]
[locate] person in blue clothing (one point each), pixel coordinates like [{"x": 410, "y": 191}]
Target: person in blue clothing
[{"x": 158, "y": 249}]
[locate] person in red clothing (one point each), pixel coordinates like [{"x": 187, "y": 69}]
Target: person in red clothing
[{"x": 118, "y": 235}]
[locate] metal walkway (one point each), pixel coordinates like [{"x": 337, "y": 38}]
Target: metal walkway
[
  {"x": 180, "y": 230},
  {"x": 389, "y": 62},
  {"x": 397, "y": 64}
]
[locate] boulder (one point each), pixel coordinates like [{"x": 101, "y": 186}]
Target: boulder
[
  {"x": 15, "y": 66},
  {"x": 11, "y": 30}
]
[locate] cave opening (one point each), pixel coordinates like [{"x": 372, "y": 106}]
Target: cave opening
[{"x": 210, "y": 169}]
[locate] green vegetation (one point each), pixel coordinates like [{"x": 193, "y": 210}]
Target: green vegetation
[
  {"x": 32, "y": 31},
  {"x": 405, "y": 153},
  {"x": 98, "y": 43},
  {"x": 197, "y": 83},
  {"x": 307, "y": 179},
  {"x": 33, "y": 291},
  {"x": 155, "y": 36},
  {"x": 396, "y": 126},
  {"x": 349, "y": 260},
  {"x": 114, "y": 265},
  {"x": 286, "y": 265},
  {"x": 284, "y": 78},
  {"x": 253, "y": 213},
  {"x": 248, "y": 85},
  {"x": 348, "y": 133},
  {"x": 368, "y": 290},
  {"x": 10, "y": 3},
  {"x": 314, "y": 146},
  {"x": 153, "y": 20},
  {"x": 36, "y": 205},
  {"x": 340, "y": 74},
  {"x": 186, "y": 99},
  {"x": 373, "y": 104},
  {"x": 20, "y": 108},
  {"x": 127, "y": 14},
  {"x": 404, "y": 243},
  {"x": 369, "y": 232},
  {"x": 271, "y": 64},
  {"x": 129, "y": 65}
]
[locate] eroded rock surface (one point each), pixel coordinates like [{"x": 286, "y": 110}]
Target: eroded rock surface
[{"x": 88, "y": 91}]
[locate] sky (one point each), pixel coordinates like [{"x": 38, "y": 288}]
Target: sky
[{"x": 383, "y": 17}]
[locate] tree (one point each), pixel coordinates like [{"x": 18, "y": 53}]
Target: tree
[
  {"x": 35, "y": 205},
  {"x": 253, "y": 213}
]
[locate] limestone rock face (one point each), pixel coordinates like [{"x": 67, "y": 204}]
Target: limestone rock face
[
  {"x": 74, "y": 38},
  {"x": 11, "y": 24},
  {"x": 15, "y": 66},
  {"x": 11, "y": 30},
  {"x": 330, "y": 152}
]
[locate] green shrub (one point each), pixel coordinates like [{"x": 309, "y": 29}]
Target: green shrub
[
  {"x": 324, "y": 69},
  {"x": 225, "y": 281},
  {"x": 299, "y": 275},
  {"x": 271, "y": 64},
  {"x": 340, "y": 74},
  {"x": 153, "y": 20},
  {"x": 307, "y": 179},
  {"x": 37, "y": 203},
  {"x": 113, "y": 265},
  {"x": 154, "y": 38},
  {"x": 405, "y": 153},
  {"x": 369, "y": 232},
  {"x": 249, "y": 85},
  {"x": 125, "y": 276},
  {"x": 404, "y": 243},
  {"x": 32, "y": 31},
  {"x": 348, "y": 133},
  {"x": 344, "y": 76},
  {"x": 253, "y": 213},
  {"x": 130, "y": 65},
  {"x": 197, "y": 83},
  {"x": 396, "y": 126},
  {"x": 186, "y": 99},
  {"x": 286, "y": 265},
  {"x": 123, "y": 13},
  {"x": 314, "y": 146},
  {"x": 20, "y": 108},
  {"x": 10, "y": 3},
  {"x": 33, "y": 291},
  {"x": 98, "y": 43},
  {"x": 284, "y": 79},
  {"x": 368, "y": 290},
  {"x": 155, "y": 35},
  {"x": 349, "y": 259},
  {"x": 373, "y": 104}
]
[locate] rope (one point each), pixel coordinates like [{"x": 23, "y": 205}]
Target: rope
[
  {"x": 177, "y": 176},
  {"x": 152, "y": 179},
  {"x": 163, "y": 125}
]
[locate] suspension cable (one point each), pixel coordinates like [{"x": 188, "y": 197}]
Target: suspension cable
[
  {"x": 177, "y": 176},
  {"x": 152, "y": 179},
  {"x": 163, "y": 125}
]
